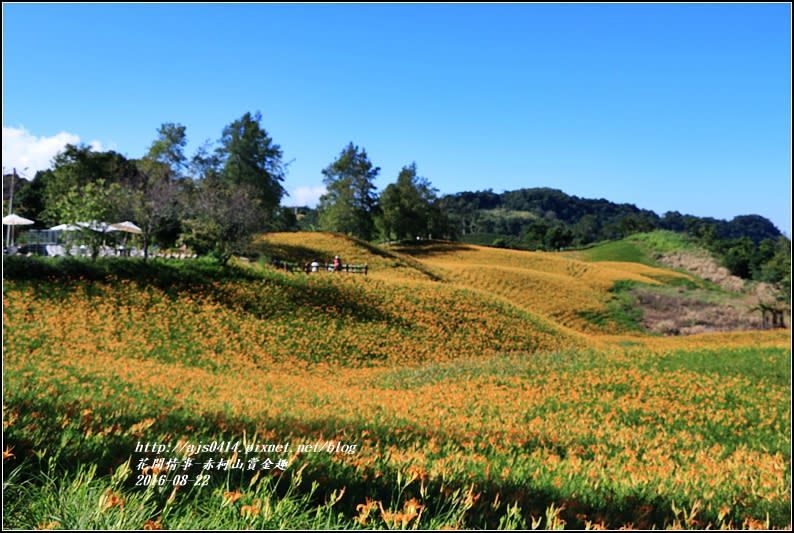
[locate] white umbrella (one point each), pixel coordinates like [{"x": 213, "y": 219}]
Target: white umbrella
[
  {"x": 129, "y": 227},
  {"x": 15, "y": 220}
]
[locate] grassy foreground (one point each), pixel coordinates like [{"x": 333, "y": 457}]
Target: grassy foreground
[{"x": 444, "y": 407}]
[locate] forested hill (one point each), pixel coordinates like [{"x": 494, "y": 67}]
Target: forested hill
[{"x": 535, "y": 214}]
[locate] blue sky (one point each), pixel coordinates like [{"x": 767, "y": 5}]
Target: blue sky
[{"x": 668, "y": 106}]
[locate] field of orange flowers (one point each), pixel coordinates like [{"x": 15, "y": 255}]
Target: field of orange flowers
[{"x": 443, "y": 393}]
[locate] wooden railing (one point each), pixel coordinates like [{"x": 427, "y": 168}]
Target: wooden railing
[{"x": 316, "y": 267}]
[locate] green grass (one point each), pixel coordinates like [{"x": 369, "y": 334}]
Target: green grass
[
  {"x": 640, "y": 247},
  {"x": 617, "y": 251},
  {"x": 83, "y": 500},
  {"x": 663, "y": 241},
  {"x": 761, "y": 365},
  {"x": 621, "y": 311}
]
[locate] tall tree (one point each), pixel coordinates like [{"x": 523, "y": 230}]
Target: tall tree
[
  {"x": 350, "y": 203},
  {"x": 249, "y": 156},
  {"x": 154, "y": 207},
  {"x": 406, "y": 205},
  {"x": 390, "y": 215},
  {"x": 169, "y": 148},
  {"x": 205, "y": 164}
]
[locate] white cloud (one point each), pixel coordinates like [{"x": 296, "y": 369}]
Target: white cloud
[
  {"x": 308, "y": 196},
  {"x": 29, "y": 154}
]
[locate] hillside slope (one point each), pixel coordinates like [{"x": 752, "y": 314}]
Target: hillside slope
[
  {"x": 249, "y": 317},
  {"x": 573, "y": 293},
  {"x": 305, "y": 247}
]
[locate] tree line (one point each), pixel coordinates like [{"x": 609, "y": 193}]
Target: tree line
[
  {"x": 548, "y": 219},
  {"x": 216, "y": 199},
  {"x": 212, "y": 202}
]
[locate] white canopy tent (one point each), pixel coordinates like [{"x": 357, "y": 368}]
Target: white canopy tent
[
  {"x": 101, "y": 227},
  {"x": 65, "y": 227}
]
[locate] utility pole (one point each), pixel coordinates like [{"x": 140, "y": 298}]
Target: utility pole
[{"x": 11, "y": 205}]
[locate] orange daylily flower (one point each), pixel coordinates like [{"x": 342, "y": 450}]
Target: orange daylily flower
[
  {"x": 231, "y": 497},
  {"x": 7, "y": 453}
]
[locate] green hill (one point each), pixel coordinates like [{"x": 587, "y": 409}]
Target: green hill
[{"x": 639, "y": 248}]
